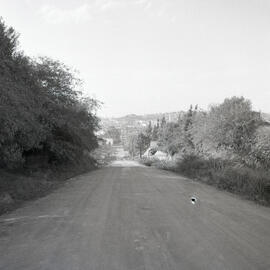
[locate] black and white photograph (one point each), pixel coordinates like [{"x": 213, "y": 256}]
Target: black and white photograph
[{"x": 134, "y": 134}]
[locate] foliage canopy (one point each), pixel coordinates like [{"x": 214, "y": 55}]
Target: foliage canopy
[{"x": 41, "y": 110}]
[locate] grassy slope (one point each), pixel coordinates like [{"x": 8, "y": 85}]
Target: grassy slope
[
  {"x": 252, "y": 184},
  {"x": 17, "y": 187}
]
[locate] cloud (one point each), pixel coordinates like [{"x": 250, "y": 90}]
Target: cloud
[
  {"x": 148, "y": 5},
  {"x": 57, "y": 15},
  {"x": 173, "y": 19},
  {"x": 104, "y": 5},
  {"x": 91, "y": 9},
  {"x": 82, "y": 13},
  {"x": 112, "y": 4},
  {"x": 142, "y": 2}
]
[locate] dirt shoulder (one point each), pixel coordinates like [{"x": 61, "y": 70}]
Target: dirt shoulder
[{"x": 17, "y": 187}]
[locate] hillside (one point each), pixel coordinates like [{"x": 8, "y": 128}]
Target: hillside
[{"x": 139, "y": 120}]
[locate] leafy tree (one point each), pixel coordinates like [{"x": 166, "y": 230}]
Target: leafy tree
[
  {"x": 188, "y": 118},
  {"x": 8, "y": 41},
  {"x": 143, "y": 142},
  {"x": 41, "y": 109},
  {"x": 232, "y": 125},
  {"x": 149, "y": 130},
  {"x": 114, "y": 133},
  {"x": 199, "y": 132},
  {"x": 188, "y": 122},
  {"x": 155, "y": 131},
  {"x": 171, "y": 138},
  {"x": 132, "y": 145},
  {"x": 163, "y": 122},
  {"x": 260, "y": 149}
]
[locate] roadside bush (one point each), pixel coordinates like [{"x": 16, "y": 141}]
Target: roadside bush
[
  {"x": 260, "y": 150},
  {"x": 168, "y": 165},
  {"x": 147, "y": 161},
  {"x": 227, "y": 175},
  {"x": 27, "y": 184},
  {"x": 190, "y": 165},
  {"x": 41, "y": 110},
  {"x": 47, "y": 129},
  {"x": 160, "y": 164},
  {"x": 254, "y": 184}
]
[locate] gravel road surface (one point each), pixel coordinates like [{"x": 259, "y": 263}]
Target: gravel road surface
[{"x": 127, "y": 217}]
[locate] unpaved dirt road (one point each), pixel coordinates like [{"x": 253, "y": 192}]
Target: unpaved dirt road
[{"x": 127, "y": 218}]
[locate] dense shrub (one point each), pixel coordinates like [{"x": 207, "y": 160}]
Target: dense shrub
[
  {"x": 232, "y": 125},
  {"x": 147, "y": 161},
  {"x": 260, "y": 150},
  {"x": 227, "y": 146},
  {"x": 41, "y": 109},
  {"x": 228, "y": 175},
  {"x": 168, "y": 165}
]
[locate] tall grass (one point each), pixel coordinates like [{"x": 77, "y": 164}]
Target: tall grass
[
  {"x": 228, "y": 175},
  {"x": 251, "y": 183},
  {"x": 30, "y": 183}
]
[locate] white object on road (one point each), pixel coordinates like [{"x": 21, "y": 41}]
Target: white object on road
[{"x": 193, "y": 199}]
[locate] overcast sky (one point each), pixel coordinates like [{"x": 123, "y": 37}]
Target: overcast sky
[{"x": 146, "y": 56}]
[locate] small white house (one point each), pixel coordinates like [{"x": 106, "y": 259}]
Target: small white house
[
  {"x": 153, "y": 153},
  {"x": 153, "y": 144},
  {"x": 160, "y": 155},
  {"x": 109, "y": 141}
]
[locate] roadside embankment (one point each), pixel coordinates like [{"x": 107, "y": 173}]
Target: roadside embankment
[
  {"x": 18, "y": 186},
  {"x": 249, "y": 183}
]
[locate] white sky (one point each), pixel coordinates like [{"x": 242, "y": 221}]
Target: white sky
[{"x": 146, "y": 56}]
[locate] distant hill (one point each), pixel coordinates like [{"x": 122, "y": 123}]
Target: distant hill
[{"x": 139, "y": 120}]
